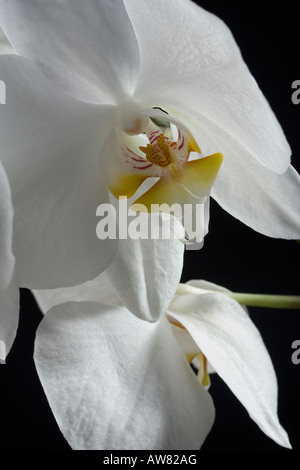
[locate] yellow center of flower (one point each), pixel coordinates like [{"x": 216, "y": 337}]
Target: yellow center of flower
[
  {"x": 202, "y": 373},
  {"x": 165, "y": 156},
  {"x": 159, "y": 153}
]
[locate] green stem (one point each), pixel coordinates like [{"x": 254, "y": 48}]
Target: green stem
[
  {"x": 266, "y": 300},
  {"x": 250, "y": 300}
]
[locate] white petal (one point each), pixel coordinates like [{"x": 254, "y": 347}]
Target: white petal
[
  {"x": 5, "y": 46},
  {"x": 116, "y": 382},
  {"x": 143, "y": 276},
  {"x": 9, "y": 317},
  {"x": 88, "y": 48},
  {"x": 235, "y": 349},
  {"x": 187, "y": 344},
  {"x": 189, "y": 60},
  {"x": 50, "y": 150},
  {"x": 7, "y": 261},
  {"x": 185, "y": 341},
  {"x": 267, "y": 202},
  {"x": 97, "y": 290},
  {"x": 203, "y": 285},
  {"x": 146, "y": 272},
  {"x": 9, "y": 292}
]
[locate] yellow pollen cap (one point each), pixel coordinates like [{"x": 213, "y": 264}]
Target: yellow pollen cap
[{"x": 159, "y": 153}]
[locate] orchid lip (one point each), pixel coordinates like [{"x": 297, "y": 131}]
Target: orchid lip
[{"x": 155, "y": 144}]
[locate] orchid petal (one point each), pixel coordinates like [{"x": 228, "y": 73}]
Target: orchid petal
[
  {"x": 267, "y": 202},
  {"x": 146, "y": 272},
  {"x": 9, "y": 317},
  {"x": 203, "y": 286},
  {"x": 98, "y": 290},
  {"x": 190, "y": 61},
  {"x": 9, "y": 292},
  {"x": 56, "y": 180},
  {"x": 116, "y": 382},
  {"x": 235, "y": 349},
  {"x": 5, "y": 46},
  {"x": 185, "y": 341},
  {"x": 101, "y": 290},
  {"x": 7, "y": 260},
  {"x": 87, "y": 48},
  {"x": 147, "y": 268}
]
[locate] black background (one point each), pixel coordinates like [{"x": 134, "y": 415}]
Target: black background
[{"x": 233, "y": 256}]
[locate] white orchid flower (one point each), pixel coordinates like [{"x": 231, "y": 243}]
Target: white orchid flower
[
  {"x": 80, "y": 95},
  {"x": 116, "y": 382},
  {"x": 9, "y": 292}
]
